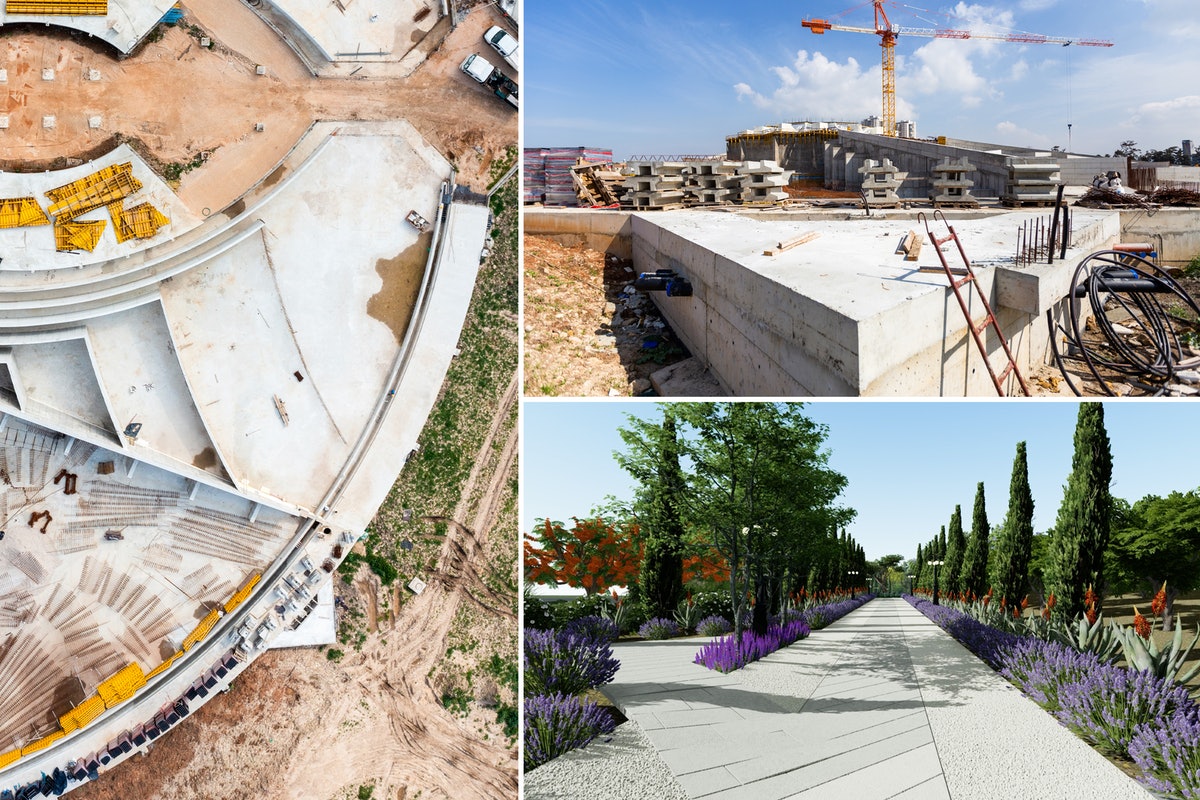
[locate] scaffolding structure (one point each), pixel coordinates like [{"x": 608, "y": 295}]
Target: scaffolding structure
[
  {"x": 72, "y": 236},
  {"x": 58, "y": 8},
  {"x": 21, "y": 212},
  {"x": 139, "y": 222},
  {"x": 107, "y": 185}
]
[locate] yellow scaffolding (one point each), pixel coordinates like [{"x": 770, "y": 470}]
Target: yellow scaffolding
[
  {"x": 61, "y": 8},
  {"x": 9, "y": 757},
  {"x": 43, "y": 743},
  {"x": 241, "y": 594},
  {"x": 114, "y": 182},
  {"x": 163, "y": 667},
  {"x": 122, "y": 685},
  {"x": 139, "y": 222},
  {"x": 82, "y": 714},
  {"x": 72, "y": 236},
  {"x": 201, "y": 630},
  {"x": 21, "y": 212}
]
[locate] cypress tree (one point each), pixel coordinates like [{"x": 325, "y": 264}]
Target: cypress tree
[
  {"x": 956, "y": 545},
  {"x": 974, "y": 570},
  {"x": 662, "y": 559},
  {"x": 1082, "y": 527},
  {"x": 1015, "y": 544}
]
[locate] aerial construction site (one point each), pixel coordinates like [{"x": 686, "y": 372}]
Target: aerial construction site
[
  {"x": 246, "y": 251},
  {"x": 829, "y": 257}
]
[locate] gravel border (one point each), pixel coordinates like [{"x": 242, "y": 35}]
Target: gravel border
[{"x": 625, "y": 767}]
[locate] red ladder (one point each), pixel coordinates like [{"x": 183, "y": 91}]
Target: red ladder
[{"x": 956, "y": 283}]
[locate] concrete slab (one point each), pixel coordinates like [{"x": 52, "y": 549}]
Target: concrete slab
[
  {"x": 32, "y": 249},
  {"x": 363, "y": 30},
  {"x": 885, "y": 705}
]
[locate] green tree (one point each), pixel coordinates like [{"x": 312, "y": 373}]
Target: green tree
[
  {"x": 1081, "y": 530},
  {"x": 760, "y": 483},
  {"x": 956, "y": 546},
  {"x": 652, "y": 458},
  {"x": 1014, "y": 545},
  {"x": 1159, "y": 540},
  {"x": 973, "y": 578}
]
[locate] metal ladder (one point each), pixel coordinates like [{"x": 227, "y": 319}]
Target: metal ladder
[{"x": 956, "y": 283}]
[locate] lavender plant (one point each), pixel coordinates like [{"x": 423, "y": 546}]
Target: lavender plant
[
  {"x": 1168, "y": 754},
  {"x": 1107, "y": 705},
  {"x": 557, "y": 723},
  {"x": 597, "y": 628},
  {"x": 659, "y": 628},
  {"x": 713, "y": 626},
  {"x": 567, "y": 662},
  {"x": 727, "y": 654}
]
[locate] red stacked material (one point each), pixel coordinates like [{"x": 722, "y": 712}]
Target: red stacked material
[{"x": 547, "y": 173}]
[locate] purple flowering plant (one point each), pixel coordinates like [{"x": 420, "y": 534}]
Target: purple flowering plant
[
  {"x": 714, "y": 625},
  {"x": 593, "y": 627},
  {"x": 659, "y": 628},
  {"x": 566, "y": 661},
  {"x": 726, "y": 654},
  {"x": 557, "y": 723}
]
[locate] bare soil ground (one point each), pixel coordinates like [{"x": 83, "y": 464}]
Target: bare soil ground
[
  {"x": 183, "y": 103},
  {"x": 584, "y": 334}
]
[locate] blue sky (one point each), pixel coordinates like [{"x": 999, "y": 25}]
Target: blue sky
[
  {"x": 677, "y": 76},
  {"x": 908, "y": 464}
]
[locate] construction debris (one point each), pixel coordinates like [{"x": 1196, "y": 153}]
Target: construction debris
[
  {"x": 788, "y": 244},
  {"x": 597, "y": 185}
]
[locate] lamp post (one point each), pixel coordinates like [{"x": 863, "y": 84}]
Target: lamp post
[
  {"x": 910, "y": 580},
  {"x": 935, "y": 565},
  {"x": 853, "y": 580}
]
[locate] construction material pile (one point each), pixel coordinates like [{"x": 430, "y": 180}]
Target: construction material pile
[
  {"x": 547, "y": 172},
  {"x": 1143, "y": 331},
  {"x": 1107, "y": 198}
]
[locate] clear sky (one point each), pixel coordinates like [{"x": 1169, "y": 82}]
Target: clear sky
[
  {"x": 908, "y": 464},
  {"x": 674, "y": 77}
]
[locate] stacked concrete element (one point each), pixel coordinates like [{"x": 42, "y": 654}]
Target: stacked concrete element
[
  {"x": 763, "y": 182},
  {"x": 880, "y": 183},
  {"x": 654, "y": 185},
  {"x": 951, "y": 187},
  {"x": 1032, "y": 184},
  {"x": 714, "y": 181}
]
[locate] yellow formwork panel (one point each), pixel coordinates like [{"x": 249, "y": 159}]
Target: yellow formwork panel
[
  {"x": 201, "y": 630},
  {"x": 9, "y": 757},
  {"x": 21, "y": 212},
  {"x": 82, "y": 714},
  {"x": 139, "y": 222},
  {"x": 241, "y": 594},
  {"x": 72, "y": 236},
  {"x": 163, "y": 667},
  {"x": 43, "y": 743},
  {"x": 122, "y": 685},
  {"x": 60, "y": 8},
  {"x": 114, "y": 182}
]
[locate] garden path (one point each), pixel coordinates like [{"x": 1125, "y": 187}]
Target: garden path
[{"x": 881, "y": 704}]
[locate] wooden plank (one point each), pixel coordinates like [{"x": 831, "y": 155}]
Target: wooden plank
[{"x": 788, "y": 244}]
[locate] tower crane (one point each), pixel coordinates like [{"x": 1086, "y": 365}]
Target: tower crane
[{"x": 887, "y": 33}]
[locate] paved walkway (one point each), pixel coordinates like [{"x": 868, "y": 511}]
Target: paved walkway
[{"x": 881, "y": 704}]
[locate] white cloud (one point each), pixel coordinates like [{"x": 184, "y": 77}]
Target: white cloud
[
  {"x": 1011, "y": 133},
  {"x": 1188, "y": 105},
  {"x": 814, "y": 87}
]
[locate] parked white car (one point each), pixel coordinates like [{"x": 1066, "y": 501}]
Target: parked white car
[{"x": 503, "y": 43}]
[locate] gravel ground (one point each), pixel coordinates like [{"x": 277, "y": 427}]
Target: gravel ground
[{"x": 625, "y": 768}]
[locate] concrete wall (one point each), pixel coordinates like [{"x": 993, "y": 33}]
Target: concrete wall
[
  {"x": 917, "y": 157},
  {"x": 802, "y": 153},
  {"x": 759, "y": 338},
  {"x": 1175, "y": 232},
  {"x": 604, "y": 231}
]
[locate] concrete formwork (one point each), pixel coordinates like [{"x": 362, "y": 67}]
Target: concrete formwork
[
  {"x": 845, "y": 156},
  {"x": 842, "y": 314}
]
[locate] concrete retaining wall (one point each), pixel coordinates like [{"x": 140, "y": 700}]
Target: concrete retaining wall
[
  {"x": 1175, "y": 232},
  {"x": 602, "y": 231}
]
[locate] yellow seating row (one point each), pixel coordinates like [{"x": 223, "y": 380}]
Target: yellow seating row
[
  {"x": 241, "y": 594},
  {"x": 67, "y": 8},
  {"x": 121, "y": 686}
]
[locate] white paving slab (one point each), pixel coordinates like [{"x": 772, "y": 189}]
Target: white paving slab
[{"x": 882, "y": 704}]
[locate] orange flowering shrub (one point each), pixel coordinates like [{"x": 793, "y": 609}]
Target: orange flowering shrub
[
  {"x": 1141, "y": 625},
  {"x": 1050, "y": 602},
  {"x": 591, "y": 555},
  {"x": 1089, "y": 601},
  {"x": 709, "y": 566},
  {"x": 1159, "y": 604}
]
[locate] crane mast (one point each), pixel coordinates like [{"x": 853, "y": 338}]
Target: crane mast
[{"x": 887, "y": 33}]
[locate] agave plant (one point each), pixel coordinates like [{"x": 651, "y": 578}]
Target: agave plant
[
  {"x": 1142, "y": 654},
  {"x": 1090, "y": 637},
  {"x": 617, "y": 612},
  {"x": 687, "y": 615}
]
